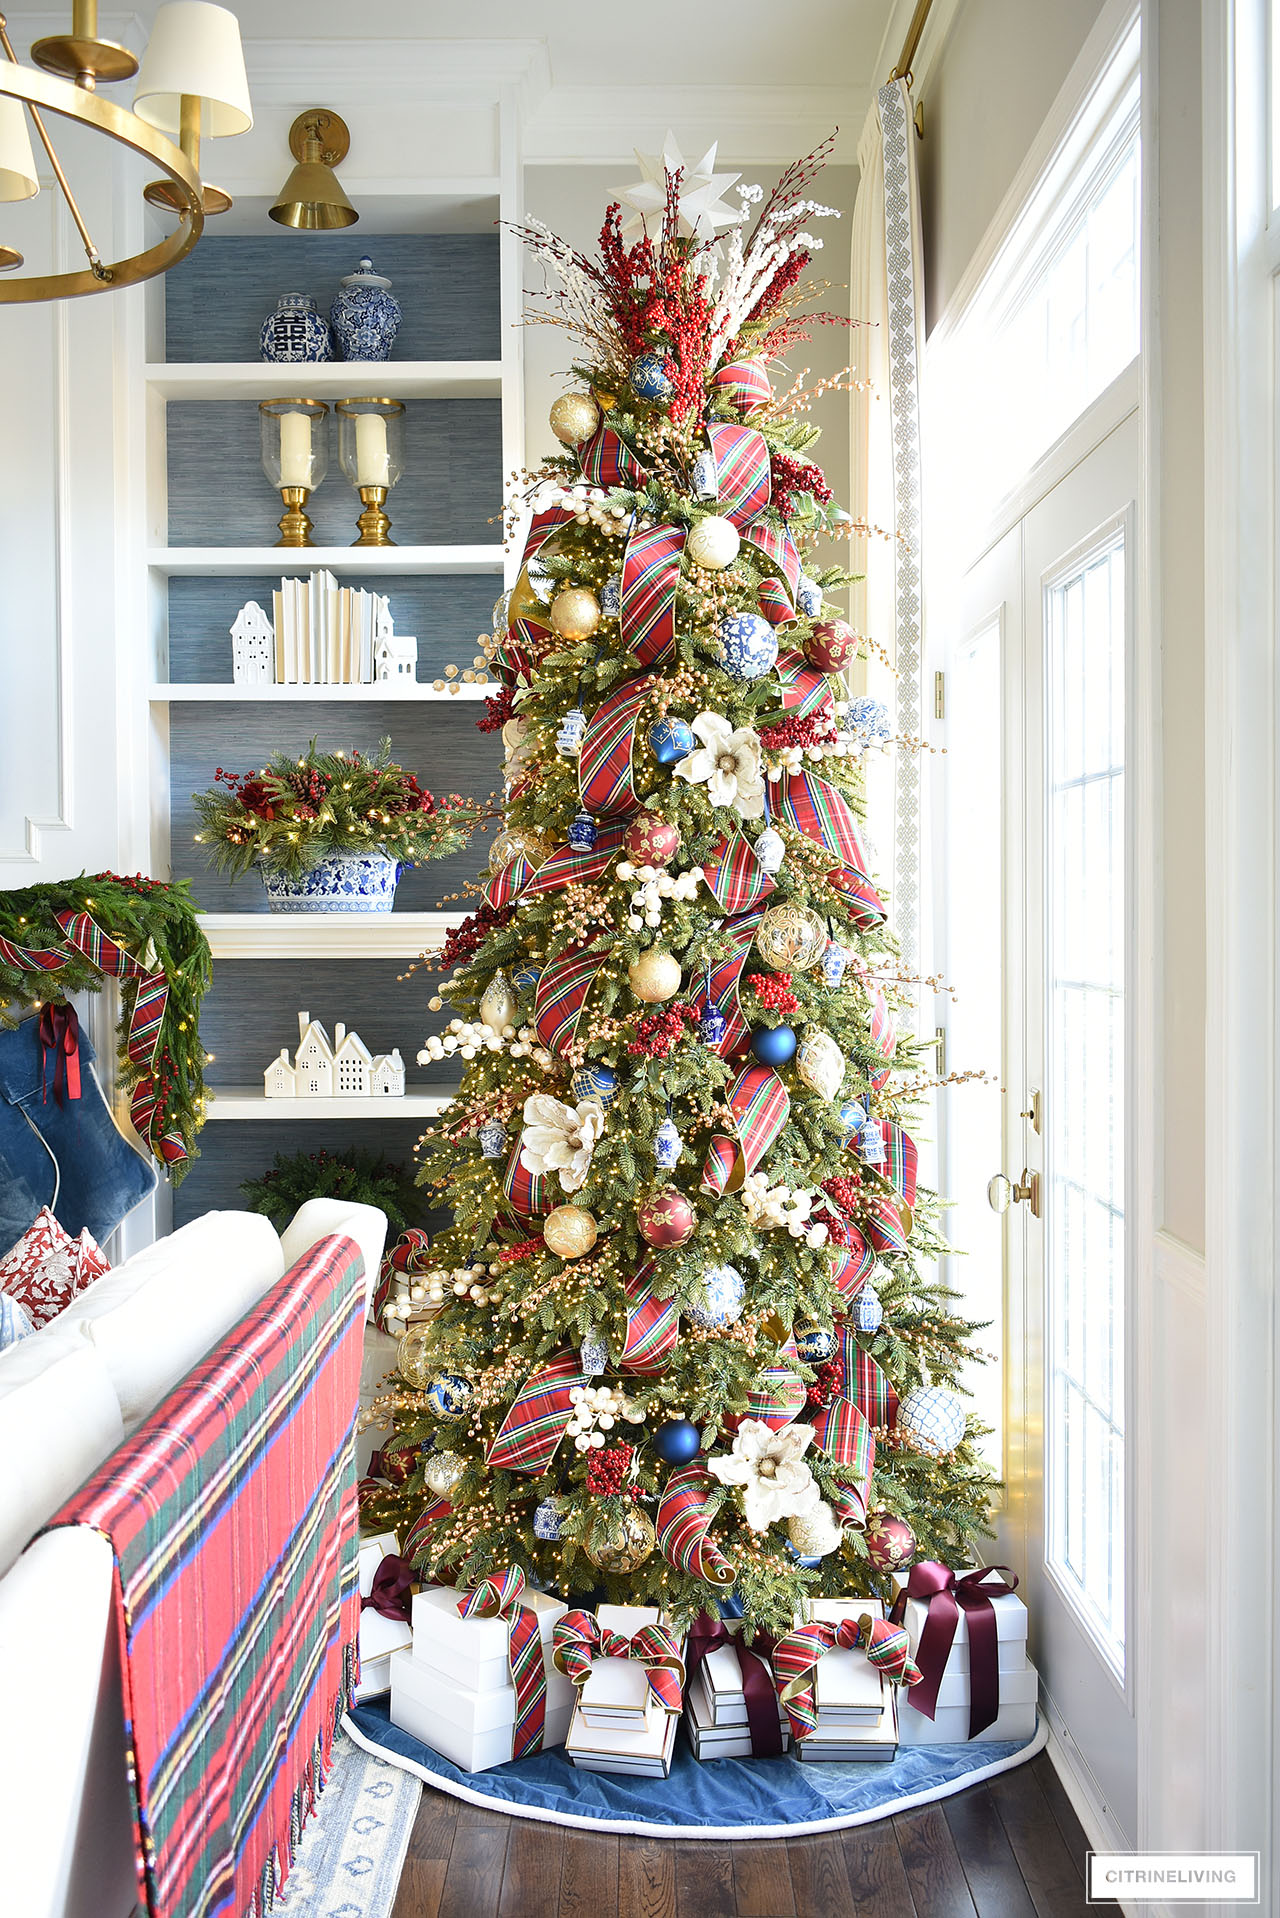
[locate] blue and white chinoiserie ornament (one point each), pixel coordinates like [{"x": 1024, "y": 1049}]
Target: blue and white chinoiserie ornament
[
  {"x": 667, "y": 1144},
  {"x": 723, "y": 1291},
  {"x": 671, "y": 740},
  {"x": 704, "y": 479},
  {"x": 593, "y": 1355},
  {"x": 773, "y": 1046},
  {"x": 816, "y": 1344},
  {"x": 526, "y": 980},
  {"x": 866, "y": 724},
  {"x": 649, "y": 378},
  {"x": 677, "y": 1442},
  {"x": 569, "y": 738},
  {"x": 493, "y": 1138},
  {"x": 611, "y": 597},
  {"x": 871, "y": 1149},
  {"x": 853, "y": 1115},
  {"x": 595, "y": 1082},
  {"x": 866, "y": 1310},
  {"x": 582, "y": 832},
  {"x": 548, "y": 1520},
  {"x": 748, "y": 645},
  {"x": 295, "y": 334},
  {"x": 365, "y": 314},
  {"x": 931, "y": 1419},
  {"x": 712, "y": 1025},
  {"x": 770, "y": 850},
  {"x": 449, "y": 1396},
  {"x": 808, "y": 597},
  {"x": 835, "y": 958}
]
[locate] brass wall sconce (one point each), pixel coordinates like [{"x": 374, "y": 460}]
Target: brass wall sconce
[
  {"x": 295, "y": 458},
  {"x": 312, "y": 199},
  {"x": 371, "y": 452}
]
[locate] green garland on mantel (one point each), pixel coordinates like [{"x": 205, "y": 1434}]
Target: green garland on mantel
[{"x": 70, "y": 935}]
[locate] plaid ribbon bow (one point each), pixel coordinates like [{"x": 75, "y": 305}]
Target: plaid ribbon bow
[
  {"x": 501, "y": 1598},
  {"x": 580, "y": 1638},
  {"x": 795, "y": 1661}
]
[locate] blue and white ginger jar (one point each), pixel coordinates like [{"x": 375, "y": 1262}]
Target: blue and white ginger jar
[
  {"x": 295, "y": 334},
  {"x": 365, "y": 315}
]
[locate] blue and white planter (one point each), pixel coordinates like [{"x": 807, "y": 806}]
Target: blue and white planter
[
  {"x": 365, "y": 315},
  {"x": 350, "y": 882}
]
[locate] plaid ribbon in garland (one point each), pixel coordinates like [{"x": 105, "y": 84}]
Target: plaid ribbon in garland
[
  {"x": 866, "y": 908},
  {"x": 653, "y": 1325},
  {"x": 722, "y": 986},
  {"x": 606, "y": 460},
  {"x": 571, "y": 866},
  {"x": 744, "y": 383},
  {"x": 778, "y": 547},
  {"x": 509, "y": 883},
  {"x": 814, "y": 807},
  {"x": 841, "y": 1431},
  {"x": 901, "y": 1160},
  {"x": 518, "y": 652},
  {"x": 866, "y": 1383},
  {"x": 883, "y": 1224},
  {"x": 560, "y": 996},
  {"x": 851, "y": 1265},
  {"x": 682, "y": 1527},
  {"x": 777, "y": 1396},
  {"x": 418, "y": 1536},
  {"x": 526, "y": 1440},
  {"x": 541, "y": 527},
  {"x": 774, "y": 602},
  {"x": 650, "y": 570},
  {"x": 805, "y": 689},
  {"x": 531, "y": 1195},
  {"x": 734, "y": 874},
  {"x": 500, "y": 1598},
  {"x": 580, "y": 1638},
  {"x": 742, "y": 472},
  {"x": 605, "y": 776},
  {"x": 761, "y": 1107}
]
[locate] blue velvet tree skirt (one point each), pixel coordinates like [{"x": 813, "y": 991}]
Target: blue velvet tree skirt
[{"x": 726, "y": 1798}]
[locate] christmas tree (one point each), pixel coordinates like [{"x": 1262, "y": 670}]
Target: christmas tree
[{"x": 684, "y": 1337}]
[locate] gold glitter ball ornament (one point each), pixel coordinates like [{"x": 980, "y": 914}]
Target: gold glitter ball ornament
[
  {"x": 574, "y": 417},
  {"x": 815, "y": 1533},
  {"x": 570, "y": 1231},
  {"x": 655, "y": 976},
  {"x": 575, "y": 613},
  {"x": 713, "y": 543},
  {"x": 414, "y": 1358},
  {"x": 622, "y": 1541},
  {"x": 820, "y": 1062},
  {"x": 791, "y": 938},
  {"x": 441, "y": 1472},
  {"x": 513, "y": 841}
]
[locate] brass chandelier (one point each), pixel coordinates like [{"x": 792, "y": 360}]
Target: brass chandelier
[{"x": 192, "y": 81}]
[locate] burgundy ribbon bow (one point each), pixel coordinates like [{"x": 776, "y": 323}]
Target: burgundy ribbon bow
[
  {"x": 392, "y": 1588},
  {"x": 708, "y": 1634},
  {"x": 59, "y": 1034},
  {"x": 946, "y": 1597}
]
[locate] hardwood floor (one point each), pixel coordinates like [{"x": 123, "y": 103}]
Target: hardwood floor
[{"x": 1009, "y": 1849}]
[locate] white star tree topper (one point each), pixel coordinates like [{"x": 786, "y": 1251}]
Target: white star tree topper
[{"x": 702, "y": 209}]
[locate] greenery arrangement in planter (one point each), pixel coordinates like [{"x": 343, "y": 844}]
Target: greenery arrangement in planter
[{"x": 364, "y": 1178}]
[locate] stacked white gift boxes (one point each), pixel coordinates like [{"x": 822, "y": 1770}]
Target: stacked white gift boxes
[
  {"x": 716, "y": 1708},
  {"x": 857, "y": 1710},
  {"x": 379, "y": 1636},
  {"x": 618, "y": 1726},
  {"x": 453, "y": 1688},
  {"x": 1019, "y": 1680}
]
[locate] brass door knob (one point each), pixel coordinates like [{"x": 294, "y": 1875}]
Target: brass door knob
[{"x": 1002, "y": 1192}]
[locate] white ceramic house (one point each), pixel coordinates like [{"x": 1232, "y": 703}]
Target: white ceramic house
[
  {"x": 352, "y": 1065},
  {"x": 253, "y": 649},
  {"x": 280, "y": 1080},
  {"x": 313, "y": 1061},
  {"x": 396, "y": 658},
  {"x": 344, "y": 1070},
  {"x": 387, "y": 1078}
]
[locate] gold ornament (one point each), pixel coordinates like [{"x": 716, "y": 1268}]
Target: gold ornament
[
  {"x": 605, "y": 400},
  {"x": 526, "y": 602},
  {"x": 415, "y": 1360},
  {"x": 441, "y": 1472},
  {"x": 713, "y": 543},
  {"x": 570, "y": 1231},
  {"x": 655, "y": 976},
  {"x": 622, "y": 1541},
  {"x": 820, "y": 1062},
  {"x": 498, "y": 1006},
  {"x": 511, "y": 842},
  {"x": 816, "y": 1533},
  {"x": 574, "y": 417},
  {"x": 575, "y": 613},
  {"x": 791, "y": 938}
]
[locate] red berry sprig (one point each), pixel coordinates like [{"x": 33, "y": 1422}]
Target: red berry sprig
[
  {"x": 773, "y": 989},
  {"x": 607, "y": 1471},
  {"x": 658, "y": 1032}
]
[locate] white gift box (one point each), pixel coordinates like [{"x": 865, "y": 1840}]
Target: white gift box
[
  {"x": 711, "y": 1737},
  {"x": 847, "y": 1690},
  {"x": 379, "y": 1636},
  {"x": 1015, "y": 1721},
  {"x": 473, "y": 1651},
  {"x": 721, "y": 1675},
  {"x": 617, "y": 1748},
  {"x": 474, "y": 1729},
  {"x": 874, "y": 1744},
  {"x": 1011, "y": 1628}
]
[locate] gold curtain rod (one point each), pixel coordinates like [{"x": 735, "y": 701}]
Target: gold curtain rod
[{"x": 903, "y": 69}]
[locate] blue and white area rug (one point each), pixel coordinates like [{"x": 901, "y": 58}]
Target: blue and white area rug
[
  {"x": 349, "y": 1859},
  {"x": 726, "y": 1798}
]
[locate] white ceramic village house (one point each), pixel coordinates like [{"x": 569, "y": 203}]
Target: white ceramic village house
[
  {"x": 345, "y": 1069},
  {"x": 395, "y": 657}
]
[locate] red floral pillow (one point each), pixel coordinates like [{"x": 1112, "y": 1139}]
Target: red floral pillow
[{"x": 47, "y": 1268}]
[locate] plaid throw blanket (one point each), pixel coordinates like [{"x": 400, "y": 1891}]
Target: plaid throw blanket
[{"x": 232, "y": 1516}]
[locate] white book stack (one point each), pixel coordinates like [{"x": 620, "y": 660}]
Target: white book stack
[
  {"x": 857, "y": 1710},
  {"x": 453, "y": 1688},
  {"x": 1018, "y": 1678},
  {"x": 330, "y": 635},
  {"x": 716, "y": 1709},
  {"x": 617, "y": 1725}
]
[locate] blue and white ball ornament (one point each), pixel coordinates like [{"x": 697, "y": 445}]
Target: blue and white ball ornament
[
  {"x": 866, "y": 1310},
  {"x": 582, "y": 832},
  {"x": 808, "y": 597},
  {"x": 704, "y": 479},
  {"x": 449, "y": 1396},
  {"x": 931, "y": 1420},
  {"x": 649, "y": 378},
  {"x": 667, "y": 1145},
  {"x": 547, "y": 1520},
  {"x": 595, "y": 1082},
  {"x": 611, "y": 596},
  {"x": 677, "y": 1442},
  {"x": 723, "y": 1291},
  {"x": 816, "y": 1344},
  {"x": 773, "y": 1046},
  {"x": 671, "y": 740},
  {"x": 748, "y": 645},
  {"x": 866, "y": 725}
]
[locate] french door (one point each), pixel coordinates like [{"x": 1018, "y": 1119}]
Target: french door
[{"x": 1034, "y": 842}]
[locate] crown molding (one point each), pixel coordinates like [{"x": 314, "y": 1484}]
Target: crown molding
[
  {"x": 583, "y": 126},
  {"x": 453, "y": 70}
]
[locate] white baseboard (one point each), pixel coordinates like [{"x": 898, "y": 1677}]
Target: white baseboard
[{"x": 1078, "y": 1782}]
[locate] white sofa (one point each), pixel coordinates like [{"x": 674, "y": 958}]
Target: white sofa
[{"x": 68, "y": 1395}]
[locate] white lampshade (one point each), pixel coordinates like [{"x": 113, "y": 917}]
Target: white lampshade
[
  {"x": 17, "y": 166},
  {"x": 195, "y": 49}
]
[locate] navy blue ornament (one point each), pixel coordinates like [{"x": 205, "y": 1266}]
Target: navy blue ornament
[
  {"x": 773, "y": 1045},
  {"x": 611, "y": 596},
  {"x": 748, "y": 644},
  {"x": 595, "y": 1082},
  {"x": 449, "y": 1396},
  {"x": 526, "y": 980},
  {"x": 816, "y": 1344},
  {"x": 853, "y": 1115},
  {"x": 649, "y": 378},
  {"x": 582, "y": 832},
  {"x": 712, "y": 1025},
  {"x": 805, "y": 1561},
  {"x": 671, "y": 740},
  {"x": 808, "y": 597},
  {"x": 677, "y": 1442}
]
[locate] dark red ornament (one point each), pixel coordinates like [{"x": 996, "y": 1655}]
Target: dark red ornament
[
  {"x": 651, "y": 841},
  {"x": 666, "y": 1218},
  {"x": 891, "y": 1543},
  {"x": 831, "y": 645}
]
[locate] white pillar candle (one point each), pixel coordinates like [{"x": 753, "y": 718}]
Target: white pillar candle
[
  {"x": 295, "y": 449},
  {"x": 373, "y": 467}
]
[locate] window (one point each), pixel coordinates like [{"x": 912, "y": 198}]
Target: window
[{"x": 1086, "y": 628}]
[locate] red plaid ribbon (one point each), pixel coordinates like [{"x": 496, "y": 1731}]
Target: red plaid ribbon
[
  {"x": 683, "y": 1521},
  {"x": 605, "y": 775},
  {"x": 866, "y": 908},
  {"x": 509, "y": 883},
  {"x": 761, "y": 1107},
  {"x": 814, "y": 807},
  {"x": 796, "y": 1657},
  {"x": 722, "y": 988},
  {"x": 735, "y": 875},
  {"x": 606, "y": 460},
  {"x": 882, "y": 1223},
  {"x": 501, "y": 1598},
  {"x": 742, "y": 472},
  {"x": 775, "y": 602},
  {"x": 560, "y": 996},
  {"x": 901, "y": 1161},
  {"x": 744, "y": 383},
  {"x": 517, "y": 655},
  {"x": 580, "y": 1638},
  {"x": 775, "y": 1400},
  {"x": 653, "y": 1325},
  {"x": 650, "y": 570},
  {"x": 841, "y": 1431},
  {"x": 418, "y": 1537},
  {"x": 851, "y": 1265},
  {"x": 530, "y": 1195},
  {"x": 866, "y": 1383},
  {"x": 527, "y": 1438},
  {"x": 805, "y": 689},
  {"x": 779, "y": 549},
  {"x": 567, "y": 866}
]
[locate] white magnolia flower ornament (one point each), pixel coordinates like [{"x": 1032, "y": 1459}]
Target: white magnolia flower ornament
[
  {"x": 560, "y": 1138},
  {"x": 770, "y": 1469},
  {"x": 701, "y": 208},
  {"x": 728, "y": 763}
]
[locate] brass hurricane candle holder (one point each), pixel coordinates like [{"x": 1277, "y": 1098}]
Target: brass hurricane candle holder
[
  {"x": 371, "y": 453},
  {"x": 295, "y": 458}
]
